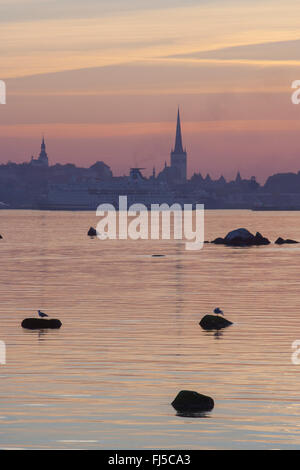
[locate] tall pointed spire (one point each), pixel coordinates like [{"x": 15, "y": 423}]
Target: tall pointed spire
[
  {"x": 178, "y": 142},
  {"x": 43, "y": 157},
  {"x": 238, "y": 178},
  {"x": 178, "y": 156}
]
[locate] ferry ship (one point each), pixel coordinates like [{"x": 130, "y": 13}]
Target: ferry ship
[{"x": 88, "y": 195}]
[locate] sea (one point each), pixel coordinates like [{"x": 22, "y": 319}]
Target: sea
[{"x": 130, "y": 338}]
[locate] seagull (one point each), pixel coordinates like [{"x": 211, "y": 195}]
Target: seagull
[
  {"x": 218, "y": 311},
  {"x": 41, "y": 314}
]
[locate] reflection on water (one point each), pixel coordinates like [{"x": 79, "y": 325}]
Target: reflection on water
[
  {"x": 200, "y": 414},
  {"x": 131, "y": 338},
  {"x": 217, "y": 334}
]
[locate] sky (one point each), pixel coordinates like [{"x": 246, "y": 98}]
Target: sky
[{"x": 102, "y": 80}]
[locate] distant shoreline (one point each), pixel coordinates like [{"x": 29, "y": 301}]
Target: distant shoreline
[{"x": 64, "y": 209}]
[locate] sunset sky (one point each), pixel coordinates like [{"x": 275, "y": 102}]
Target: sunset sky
[{"x": 102, "y": 79}]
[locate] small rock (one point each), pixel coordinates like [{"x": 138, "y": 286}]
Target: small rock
[
  {"x": 218, "y": 241},
  {"x": 92, "y": 232},
  {"x": 260, "y": 240},
  {"x": 41, "y": 323},
  {"x": 281, "y": 241},
  {"x": 192, "y": 402},
  {"x": 214, "y": 322}
]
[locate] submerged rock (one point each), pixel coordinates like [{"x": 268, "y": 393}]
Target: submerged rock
[
  {"x": 157, "y": 256},
  {"x": 41, "y": 323},
  {"x": 214, "y": 322},
  {"x": 192, "y": 402},
  {"x": 241, "y": 237},
  {"x": 281, "y": 241},
  {"x": 92, "y": 232}
]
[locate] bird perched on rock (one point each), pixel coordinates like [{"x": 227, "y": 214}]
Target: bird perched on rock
[
  {"x": 218, "y": 311},
  {"x": 41, "y": 314}
]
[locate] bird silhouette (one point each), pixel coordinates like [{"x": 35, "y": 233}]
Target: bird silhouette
[
  {"x": 42, "y": 314},
  {"x": 218, "y": 311}
]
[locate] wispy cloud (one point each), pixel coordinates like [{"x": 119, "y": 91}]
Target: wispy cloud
[
  {"x": 55, "y": 42},
  {"x": 272, "y": 53},
  {"x": 37, "y": 10}
]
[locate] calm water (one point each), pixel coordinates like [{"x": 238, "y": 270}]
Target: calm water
[{"x": 130, "y": 338}]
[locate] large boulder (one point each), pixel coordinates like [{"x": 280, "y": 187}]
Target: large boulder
[
  {"x": 281, "y": 241},
  {"x": 192, "y": 402},
  {"x": 92, "y": 232},
  {"x": 214, "y": 322},
  {"x": 41, "y": 323},
  {"x": 241, "y": 237},
  {"x": 241, "y": 234}
]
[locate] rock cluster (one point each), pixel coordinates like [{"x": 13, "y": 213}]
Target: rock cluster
[{"x": 241, "y": 237}]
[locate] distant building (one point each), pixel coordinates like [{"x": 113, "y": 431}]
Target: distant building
[
  {"x": 238, "y": 178},
  {"x": 36, "y": 184},
  {"x": 178, "y": 155},
  {"x": 42, "y": 160},
  {"x": 101, "y": 170},
  {"x": 176, "y": 173}
]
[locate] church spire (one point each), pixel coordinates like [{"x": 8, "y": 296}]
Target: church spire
[
  {"x": 238, "y": 178},
  {"x": 178, "y": 142}
]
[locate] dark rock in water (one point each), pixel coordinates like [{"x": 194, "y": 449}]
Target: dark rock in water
[
  {"x": 1, "y": 236},
  {"x": 260, "y": 240},
  {"x": 192, "y": 402},
  {"x": 281, "y": 241},
  {"x": 41, "y": 323},
  {"x": 214, "y": 322},
  {"x": 218, "y": 241},
  {"x": 92, "y": 232},
  {"x": 242, "y": 237},
  {"x": 157, "y": 256}
]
